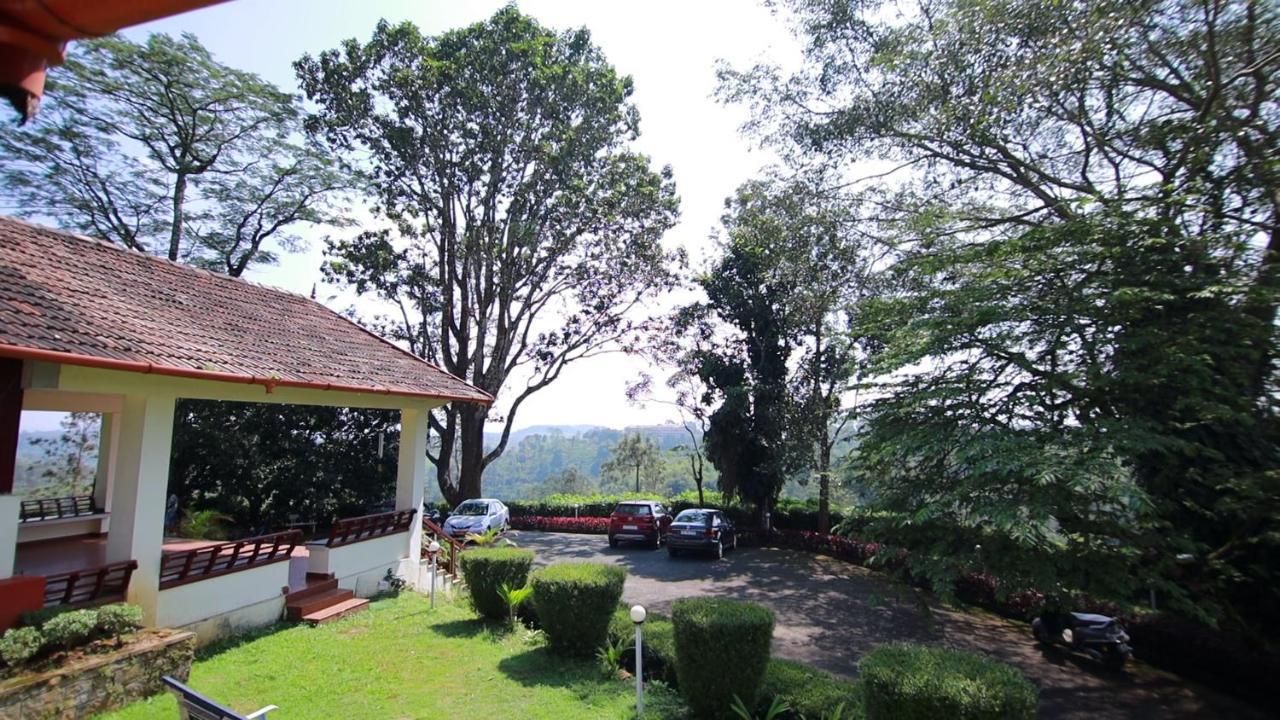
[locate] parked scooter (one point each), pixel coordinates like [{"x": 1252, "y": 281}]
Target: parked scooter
[{"x": 1098, "y": 636}]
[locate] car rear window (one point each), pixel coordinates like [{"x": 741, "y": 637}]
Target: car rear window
[
  {"x": 634, "y": 510},
  {"x": 693, "y": 516}
]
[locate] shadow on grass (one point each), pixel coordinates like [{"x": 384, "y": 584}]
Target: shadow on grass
[
  {"x": 538, "y": 667},
  {"x": 464, "y": 628},
  {"x": 244, "y": 637}
]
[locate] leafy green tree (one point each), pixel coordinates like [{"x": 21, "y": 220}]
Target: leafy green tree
[
  {"x": 525, "y": 231},
  {"x": 1081, "y": 201},
  {"x": 634, "y": 456},
  {"x": 159, "y": 147},
  {"x": 69, "y": 462}
]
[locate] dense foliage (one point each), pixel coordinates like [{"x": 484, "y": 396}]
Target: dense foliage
[
  {"x": 487, "y": 570},
  {"x": 161, "y": 148},
  {"x": 810, "y": 693},
  {"x": 522, "y": 232},
  {"x": 911, "y": 682},
  {"x": 18, "y": 645},
  {"x": 575, "y": 602},
  {"x": 722, "y": 650},
  {"x": 265, "y": 465},
  {"x": 1081, "y": 206}
]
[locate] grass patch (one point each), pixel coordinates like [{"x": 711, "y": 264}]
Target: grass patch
[{"x": 402, "y": 660}]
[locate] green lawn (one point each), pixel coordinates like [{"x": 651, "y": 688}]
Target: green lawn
[{"x": 400, "y": 659}]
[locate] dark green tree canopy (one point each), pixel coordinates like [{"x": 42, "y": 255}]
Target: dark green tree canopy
[
  {"x": 161, "y": 148},
  {"x": 526, "y": 232},
  {"x": 1084, "y": 213}
]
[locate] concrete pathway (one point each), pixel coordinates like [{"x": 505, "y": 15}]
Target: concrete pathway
[{"x": 830, "y": 613}]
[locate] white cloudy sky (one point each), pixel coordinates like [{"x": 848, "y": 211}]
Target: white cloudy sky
[{"x": 669, "y": 47}]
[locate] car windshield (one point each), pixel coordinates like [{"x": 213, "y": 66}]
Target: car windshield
[
  {"x": 471, "y": 508},
  {"x": 694, "y": 516},
  {"x": 641, "y": 510}
]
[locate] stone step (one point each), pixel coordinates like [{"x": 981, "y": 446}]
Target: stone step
[
  {"x": 333, "y": 612},
  {"x": 316, "y": 603},
  {"x": 312, "y": 589}
]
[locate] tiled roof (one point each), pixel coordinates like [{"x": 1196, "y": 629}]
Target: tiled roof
[{"x": 94, "y": 303}]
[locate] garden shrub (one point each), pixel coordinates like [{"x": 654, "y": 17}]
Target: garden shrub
[
  {"x": 71, "y": 629},
  {"x": 810, "y": 692},
  {"x": 659, "y": 646},
  {"x": 575, "y": 602},
  {"x": 709, "y": 632},
  {"x": 910, "y": 682},
  {"x": 486, "y": 570},
  {"x": 19, "y": 645},
  {"x": 37, "y": 618},
  {"x": 119, "y": 618}
]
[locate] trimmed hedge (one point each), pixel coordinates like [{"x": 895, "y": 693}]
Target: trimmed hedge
[
  {"x": 575, "y": 602},
  {"x": 710, "y": 632},
  {"x": 19, "y": 645},
  {"x": 659, "y": 644},
  {"x": 72, "y": 628},
  {"x": 912, "y": 682},
  {"x": 589, "y": 525},
  {"x": 809, "y": 692},
  {"x": 486, "y": 570},
  {"x": 117, "y": 619}
]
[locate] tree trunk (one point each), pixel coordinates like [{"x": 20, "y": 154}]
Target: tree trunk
[
  {"x": 824, "y": 489},
  {"x": 471, "y": 435},
  {"x": 179, "y": 199}
]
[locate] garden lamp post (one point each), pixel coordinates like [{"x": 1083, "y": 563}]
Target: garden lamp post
[
  {"x": 638, "y": 615},
  {"x": 433, "y": 550}
]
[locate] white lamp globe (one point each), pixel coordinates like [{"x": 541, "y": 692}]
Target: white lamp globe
[
  {"x": 638, "y": 614},
  {"x": 434, "y": 547}
]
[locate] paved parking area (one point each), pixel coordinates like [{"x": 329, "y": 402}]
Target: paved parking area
[{"x": 830, "y": 613}]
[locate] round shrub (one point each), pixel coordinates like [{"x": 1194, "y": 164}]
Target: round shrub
[
  {"x": 486, "y": 570},
  {"x": 117, "y": 619},
  {"x": 710, "y": 632},
  {"x": 810, "y": 692},
  {"x": 71, "y": 629},
  {"x": 20, "y": 645},
  {"x": 574, "y": 602},
  {"x": 906, "y": 682}
]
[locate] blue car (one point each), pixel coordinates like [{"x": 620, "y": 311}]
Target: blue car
[{"x": 701, "y": 530}]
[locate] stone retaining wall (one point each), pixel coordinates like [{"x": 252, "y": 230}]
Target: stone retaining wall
[{"x": 98, "y": 683}]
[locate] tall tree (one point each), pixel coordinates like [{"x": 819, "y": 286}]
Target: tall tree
[
  {"x": 159, "y": 147},
  {"x": 1086, "y": 210},
  {"x": 526, "y": 232},
  {"x": 634, "y": 457},
  {"x": 69, "y": 465}
]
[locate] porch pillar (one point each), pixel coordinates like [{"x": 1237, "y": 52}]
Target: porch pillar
[
  {"x": 411, "y": 478},
  {"x": 139, "y": 487},
  {"x": 107, "y": 437},
  {"x": 9, "y": 506}
]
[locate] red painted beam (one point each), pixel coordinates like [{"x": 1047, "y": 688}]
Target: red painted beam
[{"x": 10, "y": 416}]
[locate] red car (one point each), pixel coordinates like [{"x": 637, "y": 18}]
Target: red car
[{"x": 639, "y": 520}]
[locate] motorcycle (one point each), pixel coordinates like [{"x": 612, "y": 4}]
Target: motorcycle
[{"x": 1100, "y": 637}]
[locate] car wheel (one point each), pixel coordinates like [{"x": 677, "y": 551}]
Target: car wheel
[
  {"x": 719, "y": 549},
  {"x": 613, "y": 542}
]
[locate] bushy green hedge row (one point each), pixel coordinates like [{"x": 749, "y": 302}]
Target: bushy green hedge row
[
  {"x": 575, "y": 602},
  {"x": 810, "y": 693},
  {"x": 722, "y": 649},
  {"x": 54, "y": 629},
  {"x": 486, "y": 570},
  {"x": 912, "y": 682}
]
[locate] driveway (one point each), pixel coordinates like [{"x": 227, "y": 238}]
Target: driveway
[{"x": 830, "y": 613}]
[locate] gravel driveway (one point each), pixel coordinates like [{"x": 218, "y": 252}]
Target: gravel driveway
[{"x": 829, "y": 613}]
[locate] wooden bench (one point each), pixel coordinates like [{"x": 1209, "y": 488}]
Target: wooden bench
[
  {"x": 194, "y": 706},
  {"x": 57, "y": 508}
]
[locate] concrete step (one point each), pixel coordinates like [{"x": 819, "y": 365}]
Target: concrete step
[
  {"x": 347, "y": 607},
  {"x": 316, "y": 603},
  {"x": 312, "y": 589}
]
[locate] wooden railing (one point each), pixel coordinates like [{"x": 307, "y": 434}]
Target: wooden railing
[
  {"x": 185, "y": 566},
  {"x": 367, "y": 527},
  {"x": 55, "y": 508},
  {"x": 107, "y": 583},
  {"x": 450, "y": 548}
]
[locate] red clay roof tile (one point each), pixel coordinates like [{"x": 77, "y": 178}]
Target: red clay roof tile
[{"x": 97, "y": 302}]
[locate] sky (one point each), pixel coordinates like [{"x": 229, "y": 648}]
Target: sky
[{"x": 669, "y": 48}]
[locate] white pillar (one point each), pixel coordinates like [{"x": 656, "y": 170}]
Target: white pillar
[
  {"x": 9, "y": 506},
  {"x": 411, "y": 479},
  {"x": 140, "y": 486},
  {"x": 108, "y": 436}
]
